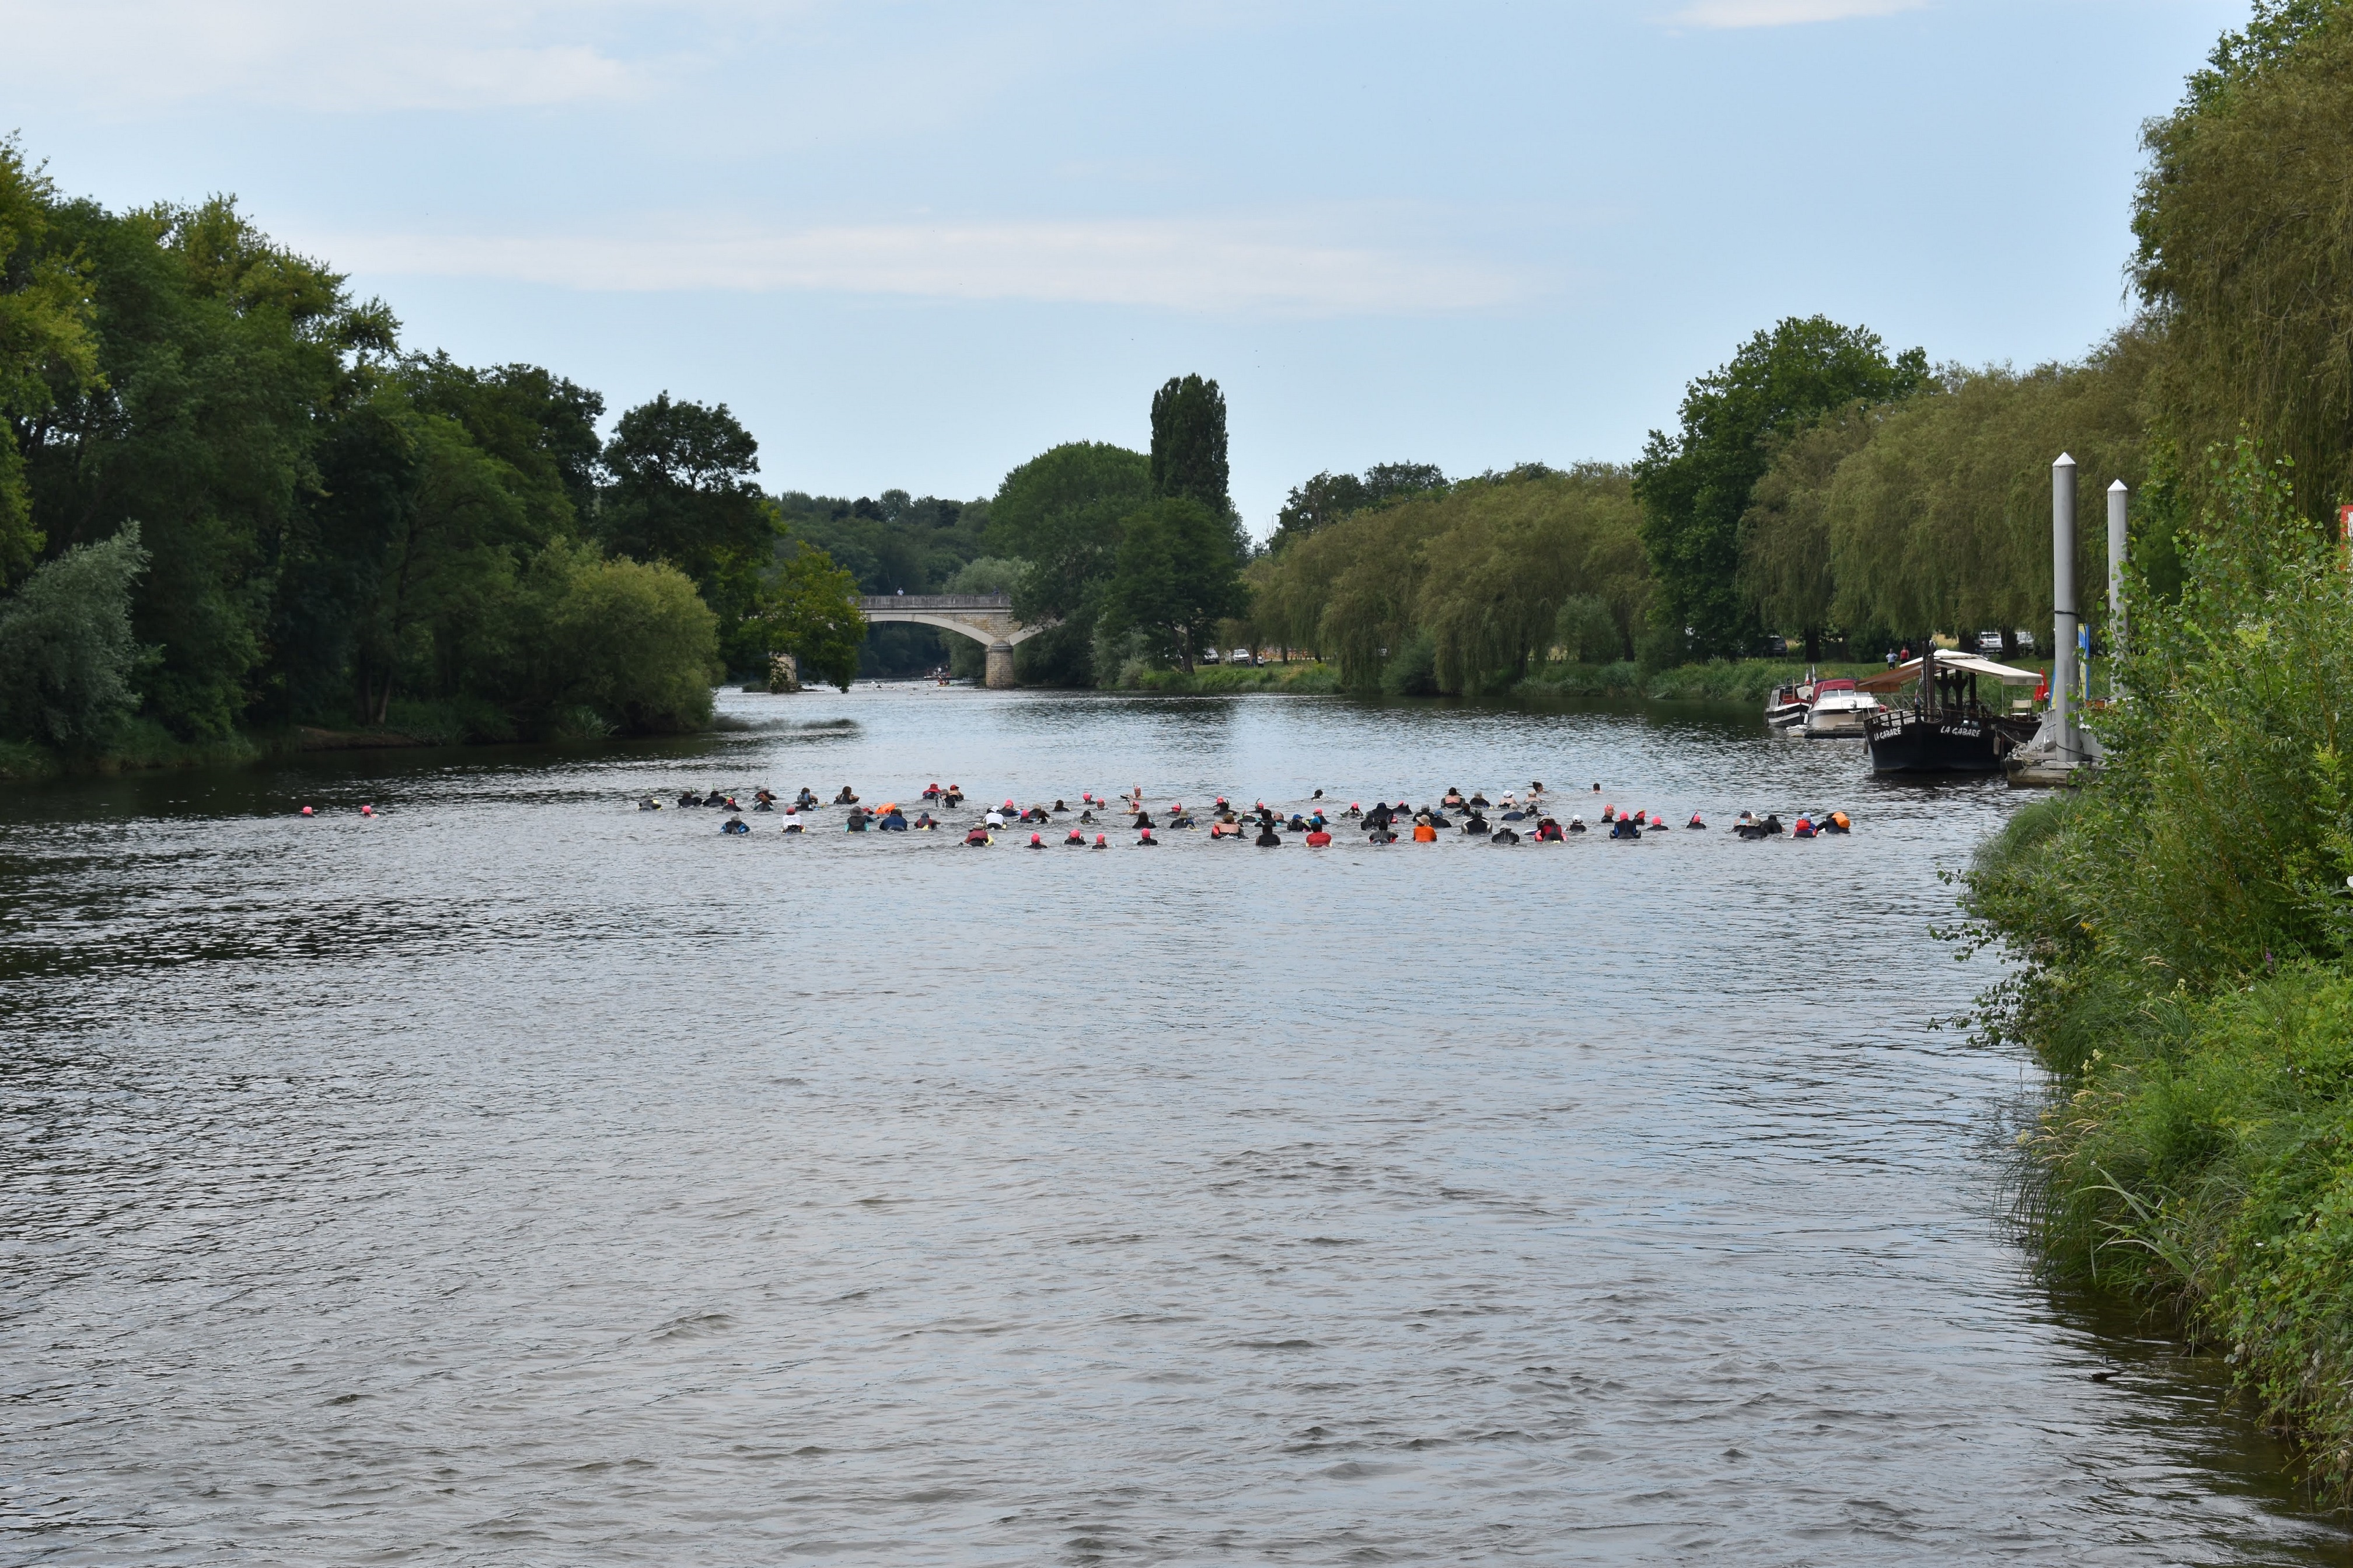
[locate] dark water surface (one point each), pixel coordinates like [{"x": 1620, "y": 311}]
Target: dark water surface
[{"x": 524, "y": 1179}]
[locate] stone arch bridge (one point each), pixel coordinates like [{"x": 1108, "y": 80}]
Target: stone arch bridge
[{"x": 986, "y": 619}]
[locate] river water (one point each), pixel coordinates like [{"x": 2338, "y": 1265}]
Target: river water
[{"x": 520, "y": 1178}]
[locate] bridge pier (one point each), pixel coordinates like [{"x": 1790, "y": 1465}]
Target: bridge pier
[{"x": 1000, "y": 668}]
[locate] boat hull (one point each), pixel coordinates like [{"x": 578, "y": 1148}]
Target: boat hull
[{"x": 1910, "y": 743}]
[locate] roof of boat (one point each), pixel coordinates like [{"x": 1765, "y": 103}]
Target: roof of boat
[{"x": 1967, "y": 663}]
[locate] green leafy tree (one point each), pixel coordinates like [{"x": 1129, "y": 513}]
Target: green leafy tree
[
  {"x": 1695, "y": 486},
  {"x": 1329, "y": 497},
  {"x": 634, "y": 640},
  {"x": 810, "y": 611},
  {"x": 2246, "y": 273},
  {"x": 1176, "y": 578},
  {"x": 67, "y": 653},
  {"x": 45, "y": 342},
  {"x": 1188, "y": 443},
  {"x": 222, "y": 358},
  {"x": 1061, "y": 512},
  {"x": 682, "y": 492}
]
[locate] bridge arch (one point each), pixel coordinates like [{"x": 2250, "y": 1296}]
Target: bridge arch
[{"x": 986, "y": 619}]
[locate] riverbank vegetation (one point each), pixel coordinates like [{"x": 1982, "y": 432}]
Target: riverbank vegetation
[
  {"x": 232, "y": 503},
  {"x": 2186, "y": 933},
  {"x": 2184, "y": 924}
]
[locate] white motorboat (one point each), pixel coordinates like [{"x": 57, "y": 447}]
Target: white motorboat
[{"x": 1838, "y": 711}]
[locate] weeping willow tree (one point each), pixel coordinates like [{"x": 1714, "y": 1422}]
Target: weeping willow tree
[
  {"x": 1480, "y": 572},
  {"x": 1785, "y": 537},
  {"x": 2245, "y": 223},
  {"x": 1942, "y": 520}
]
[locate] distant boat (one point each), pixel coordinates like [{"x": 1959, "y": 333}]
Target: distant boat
[
  {"x": 1839, "y": 711},
  {"x": 1946, "y": 729}
]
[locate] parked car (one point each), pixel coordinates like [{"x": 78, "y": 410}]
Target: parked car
[
  {"x": 1208, "y": 656},
  {"x": 1244, "y": 656},
  {"x": 2026, "y": 642},
  {"x": 1988, "y": 642}
]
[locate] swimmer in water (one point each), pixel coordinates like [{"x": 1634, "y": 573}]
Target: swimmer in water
[
  {"x": 793, "y": 824},
  {"x": 1695, "y": 822},
  {"x": 1037, "y": 841},
  {"x": 1503, "y": 836},
  {"x": 1380, "y": 836},
  {"x": 978, "y": 837},
  {"x": 307, "y": 812},
  {"x": 734, "y": 825},
  {"x": 1839, "y": 823},
  {"x": 646, "y": 803},
  {"x": 1576, "y": 824},
  {"x": 1423, "y": 833},
  {"x": 1321, "y": 838},
  {"x": 1144, "y": 839},
  {"x": 367, "y": 811},
  {"x": 1267, "y": 839},
  {"x": 1549, "y": 832},
  {"x": 1077, "y": 840},
  {"x": 1101, "y": 842}
]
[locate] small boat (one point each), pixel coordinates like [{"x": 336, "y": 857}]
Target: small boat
[
  {"x": 1946, "y": 729},
  {"x": 1839, "y": 711},
  {"x": 1786, "y": 708}
]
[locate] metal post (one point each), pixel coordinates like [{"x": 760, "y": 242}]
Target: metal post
[
  {"x": 2119, "y": 498},
  {"x": 2062, "y": 606}
]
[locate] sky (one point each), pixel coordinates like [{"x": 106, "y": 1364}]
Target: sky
[{"x": 912, "y": 243}]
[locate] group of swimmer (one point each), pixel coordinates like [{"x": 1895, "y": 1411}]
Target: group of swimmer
[{"x": 1261, "y": 825}]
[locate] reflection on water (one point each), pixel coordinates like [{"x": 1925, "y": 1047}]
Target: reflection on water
[{"x": 522, "y": 1178}]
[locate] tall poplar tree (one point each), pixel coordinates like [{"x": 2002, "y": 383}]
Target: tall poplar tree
[{"x": 1188, "y": 443}]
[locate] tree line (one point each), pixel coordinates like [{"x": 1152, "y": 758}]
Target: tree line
[
  {"x": 332, "y": 529},
  {"x": 231, "y": 498}
]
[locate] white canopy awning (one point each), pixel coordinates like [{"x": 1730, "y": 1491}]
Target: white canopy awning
[{"x": 1967, "y": 663}]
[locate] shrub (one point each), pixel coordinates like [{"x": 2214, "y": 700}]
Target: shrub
[{"x": 66, "y": 654}]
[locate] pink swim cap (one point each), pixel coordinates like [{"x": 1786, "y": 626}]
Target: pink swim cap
[{"x": 306, "y": 811}]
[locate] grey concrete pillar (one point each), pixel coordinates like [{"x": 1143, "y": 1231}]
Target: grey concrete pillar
[
  {"x": 2062, "y": 606},
  {"x": 1000, "y": 667},
  {"x": 2119, "y": 501}
]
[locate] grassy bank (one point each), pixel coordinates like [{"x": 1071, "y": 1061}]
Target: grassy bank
[
  {"x": 1301, "y": 678},
  {"x": 1746, "y": 680},
  {"x": 2184, "y": 932}
]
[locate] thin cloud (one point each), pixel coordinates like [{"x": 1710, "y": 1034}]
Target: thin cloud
[
  {"x": 1723, "y": 13},
  {"x": 367, "y": 55},
  {"x": 1209, "y": 267}
]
